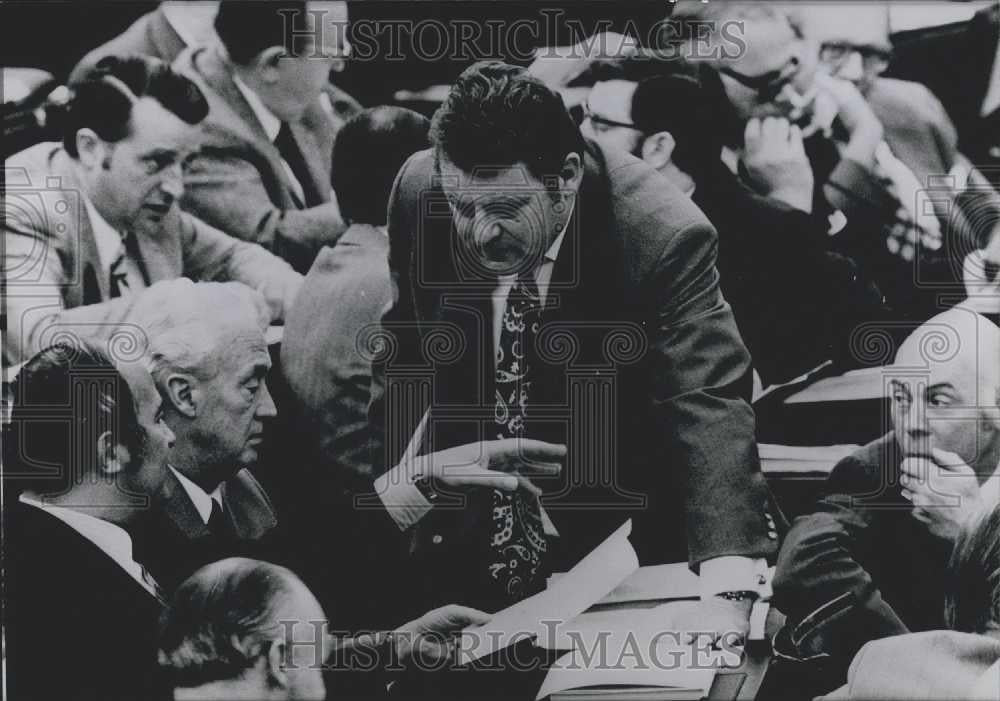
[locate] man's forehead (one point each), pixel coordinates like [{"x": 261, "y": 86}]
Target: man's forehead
[
  {"x": 767, "y": 46},
  {"x": 156, "y": 127},
  {"x": 857, "y": 24},
  {"x": 486, "y": 178},
  {"x": 330, "y": 35},
  {"x": 613, "y": 99}
]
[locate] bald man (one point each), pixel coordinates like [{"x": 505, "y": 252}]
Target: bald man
[{"x": 870, "y": 561}]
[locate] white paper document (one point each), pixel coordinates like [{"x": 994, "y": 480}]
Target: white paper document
[{"x": 565, "y": 599}]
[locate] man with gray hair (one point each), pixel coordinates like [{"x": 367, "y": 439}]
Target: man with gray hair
[{"x": 209, "y": 360}]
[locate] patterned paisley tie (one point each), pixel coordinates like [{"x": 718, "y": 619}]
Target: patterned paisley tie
[{"x": 517, "y": 543}]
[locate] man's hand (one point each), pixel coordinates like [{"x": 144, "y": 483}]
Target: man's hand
[
  {"x": 944, "y": 491},
  {"x": 715, "y": 622},
  {"x": 431, "y": 638},
  {"x": 776, "y": 162},
  {"x": 854, "y": 113},
  {"x": 506, "y": 464}
]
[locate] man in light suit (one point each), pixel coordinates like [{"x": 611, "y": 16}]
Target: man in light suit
[
  {"x": 90, "y": 223},
  {"x": 323, "y": 354},
  {"x": 161, "y": 33},
  {"x": 209, "y": 358},
  {"x": 635, "y": 365},
  {"x": 70, "y": 572},
  {"x": 263, "y": 173}
]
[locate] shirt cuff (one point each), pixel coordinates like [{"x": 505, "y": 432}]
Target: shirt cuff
[
  {"x": 733, "y": 573},
  {"x": 401, "y": 498}
]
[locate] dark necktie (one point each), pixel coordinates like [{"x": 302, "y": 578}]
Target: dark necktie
[
  {"x": 290, "y": 151},
  {"x": 119, "y": 276},
  {"x": 217, "y": 523},
  {"x": 517, "y": 541}
]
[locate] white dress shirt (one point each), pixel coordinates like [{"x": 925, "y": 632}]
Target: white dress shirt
[
  {"x": 271, "y": 125},
  {"x": 113, "y": 540},
  {"x": 201, "y": 499}
]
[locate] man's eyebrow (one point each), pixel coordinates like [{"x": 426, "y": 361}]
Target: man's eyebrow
[
  {"x": 939, "y": 386},
  {"x": 157, "y": 152}
]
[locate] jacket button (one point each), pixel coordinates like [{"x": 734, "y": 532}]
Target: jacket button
[
  {"x": 437, "y": 539},
  {"x": 772, "y": 535}
]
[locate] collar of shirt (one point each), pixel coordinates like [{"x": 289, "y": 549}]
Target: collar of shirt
[
  {"x": 193, "y": 21},
  {"x": 201, "y": 499},
  {"x": 113, "y": 540},
  {"x": 270, "y": 123},
  {"x": 109, "y": 242}
]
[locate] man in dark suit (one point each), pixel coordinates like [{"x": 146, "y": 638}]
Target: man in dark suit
[
  {"x": 161, "y": 33},
  {"x": 90, "y": 223},
  {"x": 774, "y": 265},
  {"x": 80, "y": 613},
  {"x": 263, "y": 173},
  {"x": 871, "y": 561},
  {"x": 206, "y": 342},
  {"x": 635, "y": 364}
]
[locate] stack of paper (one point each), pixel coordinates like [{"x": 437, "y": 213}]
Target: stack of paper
[{"x": 799, "y": 460}]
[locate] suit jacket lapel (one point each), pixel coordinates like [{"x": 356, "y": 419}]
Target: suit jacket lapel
[
  {"x": 175, "y": 503},
  {"x": 96, "y": 285}
]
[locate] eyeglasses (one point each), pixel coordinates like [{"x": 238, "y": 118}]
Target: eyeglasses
[
  {"x": 598, "y": 119},
  {"x": 874, "y": 59},
  {"x": 767, "y": 85}
]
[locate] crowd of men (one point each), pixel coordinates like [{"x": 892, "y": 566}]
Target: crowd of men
[{"x": 506, "y": 330}]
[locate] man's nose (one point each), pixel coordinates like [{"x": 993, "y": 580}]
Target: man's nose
[
  {"x": 852, "y": 68},
  {"x": 266, "y": 408},
  {"x": 173, "y": 182},
  {"x": 587, "y": 129}
]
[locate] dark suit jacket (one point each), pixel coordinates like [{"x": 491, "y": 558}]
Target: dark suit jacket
[
  {"x": 239, "y": 183},
  {"x": 77, "y": 625},
  {"x": 643, "y": 375},
  {"x": 150, "y": 35},
  {"x": 55, "y": 280},
  {"x": 174, "y": 542},
  {"x": 860, "y": 567},
  {"x": 776, "y": 271}
]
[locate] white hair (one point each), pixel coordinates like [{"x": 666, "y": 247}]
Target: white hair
[{"x": 184, "y": 323}]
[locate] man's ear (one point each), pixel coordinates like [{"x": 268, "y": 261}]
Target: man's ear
[
  {"x": 571, "y": 174},
  {"x": 182, "y": 394},
  {"x": 112, "y": 457},
  {"x": 266, "y": 63},
  {"x": 276, "y": 674},
  {"x": 658, "y": 148},
  {"x": 91, "y": 149}
]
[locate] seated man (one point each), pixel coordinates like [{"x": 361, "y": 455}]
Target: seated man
[
  {"x": 769, "y": 69},
  {"x": 161, "y": 33},
  {"x": 871, "y": 560},
  {"x": 209, "y": 359},
  {"x": 246, "y": 629},
  {"x": 263, "y": 174},
  {"x": 962, "y": 662},
  {"x": 89, "y": 223},
  {"x": 324, "y": 354},
  {"x": 530, "y": 263},
  {"x": 80, "y": 612},
  {"x": 774, "y": 266}
]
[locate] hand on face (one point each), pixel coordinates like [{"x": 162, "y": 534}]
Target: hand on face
[
  {"x": 851, "y": 106},
  {"x": 943, "y": 489},
  {"x": 776, "y": 162}
]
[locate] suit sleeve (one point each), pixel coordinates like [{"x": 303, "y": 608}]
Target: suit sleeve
[
  {"x": 225, "y": 189},
  {"x": 700, "y": 391},
  {"x": 210, "y": 254},
  {"x": 34, "y": 274},
  {"x": 831, "y": 601}
]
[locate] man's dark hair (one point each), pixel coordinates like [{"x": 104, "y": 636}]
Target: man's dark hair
[
  {"x": 221, "y": 620},
  {"x": 102, "y": 99},
  {"x": 682, "y": 104},
  {"x": 247, "y": 28},
  {"x": 497, "y": 115},
  {"x": 64, "y": 399},
  {"x": 972, "y": 599},
  {"x": 368, "y": 153}
]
